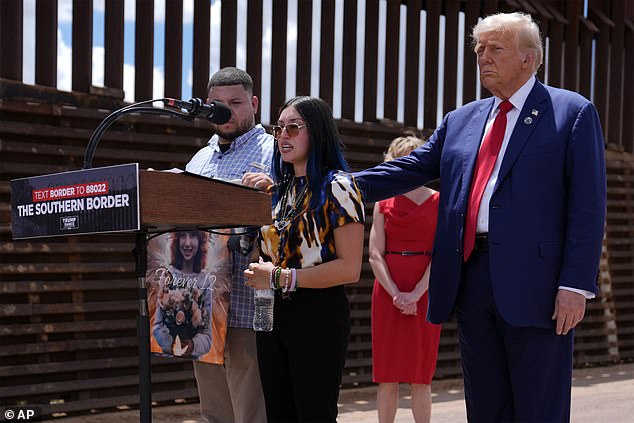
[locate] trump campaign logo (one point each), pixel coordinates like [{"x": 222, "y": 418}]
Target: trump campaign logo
[{"x": 66, "y": 223}]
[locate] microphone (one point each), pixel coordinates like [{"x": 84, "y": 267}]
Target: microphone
[{"x": 215, "y": 112}]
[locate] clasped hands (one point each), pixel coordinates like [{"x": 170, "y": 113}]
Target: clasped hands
[
  {"x": 406, "y": 302},
  {"x": 258, "y": 275}
]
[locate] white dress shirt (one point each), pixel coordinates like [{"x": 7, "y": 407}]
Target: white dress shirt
[{"x": 517, "y": 100}]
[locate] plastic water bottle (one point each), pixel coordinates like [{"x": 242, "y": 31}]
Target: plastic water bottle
[{"x": 263, "y": 317}]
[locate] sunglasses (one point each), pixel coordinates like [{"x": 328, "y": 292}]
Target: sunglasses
[{"x": 292, "y": 129}]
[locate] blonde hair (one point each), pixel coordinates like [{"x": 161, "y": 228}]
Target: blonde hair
[
  {"x": 401, "y": 146},
  {"x": 521, "y": 25}
]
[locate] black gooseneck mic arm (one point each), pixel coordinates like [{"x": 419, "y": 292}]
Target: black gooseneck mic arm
[{"x": 194, "y": 107}]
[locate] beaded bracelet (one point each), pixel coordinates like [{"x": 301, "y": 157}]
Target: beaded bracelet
[
  {"x": 294, "y": 284},
  {"x": 272, "y": 279},
  {"x": 286, "y": 281},
  {"x": 290, "y": 279},
  {"x": 278, "y": 273}
]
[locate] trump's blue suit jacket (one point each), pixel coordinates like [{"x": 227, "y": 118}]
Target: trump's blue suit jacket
[{"x": 547, "y": 212}]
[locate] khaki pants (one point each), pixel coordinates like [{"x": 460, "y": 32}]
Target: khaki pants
[{"x": 232, "y": 392}]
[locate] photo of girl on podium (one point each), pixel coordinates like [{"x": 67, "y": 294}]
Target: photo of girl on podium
[
  {"x": 181, "y": 324},
  {"x": 188, "y": 283}
]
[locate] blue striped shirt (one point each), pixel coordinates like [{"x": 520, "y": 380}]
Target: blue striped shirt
[{"x": 250, "y": 152}]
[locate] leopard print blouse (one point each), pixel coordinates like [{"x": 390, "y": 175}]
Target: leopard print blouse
[{"x": 304, "y": 238}]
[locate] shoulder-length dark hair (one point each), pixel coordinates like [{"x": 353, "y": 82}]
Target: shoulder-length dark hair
[{"x": 325, "y": 151}]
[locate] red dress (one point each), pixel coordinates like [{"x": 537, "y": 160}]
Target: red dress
[{"x": 405, "y": 347}]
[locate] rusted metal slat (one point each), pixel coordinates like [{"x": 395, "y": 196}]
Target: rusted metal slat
[
  {"x": 11, "y": 39},
  {"x": 22, "y": 329},
  {"x": 17, "y": 169},
  {"x": 57, "y": 132},
  {"x": 490, "y": 7},
  {"x": 556, "y": 40},
  {"x": 44, "y": 248},
  {"x": 200, "y": 59},
  {"x": 17, "y": 310},
  {"x": 623, "y": 242},
  {"x": 367, "y": 159},
  {"x": 527, "y": 7},
  {"x": 119, "y": 154},
  {"x": 113, "y": 35},
  {"x": 431, "y": 64},
  {"x": 571, "y": 54},
  {"x": 451, "y": 56},
  {"x": 601, "y": 80},
  {"x": 587, "y": 32},
  {"x": 349, "y": 60},
  {"x": 615, "y": 124},
  {"x": 68, "y": 346},
  {"x": 228, "y": 32},
  {"x": 86, "y": 384},
  {"x": 254, "y": 48},
  {"x": 412, "y": 62},
  {"x": 390, "y": 108},
  {"x": 508, "y": 6},
  {"x": 544, "y": 17},
  {"x": 359, "y": 362},
  {"x": 68, "y": 366},
  {"x": 173, "y": 48},
  {"x": 359, "y": 346},
  {"x": 108, "y": 402},
  {"x": 82, "y": 45},
  {"x": 327, "y": 47},
  {"x": 304, "y": 46},
  {"x": 278, "y": 58},
  {"x": 49, "y": 268},
  {"x": 144, "y": 50},
  {"x": 360, "y": 314},
  {"x": 628, "y": 90},
  {"x": 41, "y": 286},
  {"x": 46, "y": 42},
  {"x": 370, "y": 62},
  {"x": 471, "y": 11}
]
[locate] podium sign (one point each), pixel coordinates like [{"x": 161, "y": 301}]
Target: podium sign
[{"x": 104, "y": 199}]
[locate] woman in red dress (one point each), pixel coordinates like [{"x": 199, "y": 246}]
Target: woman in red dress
[{"x": 404, "y": 344}]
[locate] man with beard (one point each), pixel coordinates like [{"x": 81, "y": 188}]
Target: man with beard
[{"x": 239, "y": 149}]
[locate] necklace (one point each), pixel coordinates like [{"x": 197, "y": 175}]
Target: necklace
[{"x": 289, "y": 209}]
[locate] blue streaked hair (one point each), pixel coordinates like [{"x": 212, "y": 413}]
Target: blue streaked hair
[{"x": 325, "y": 150}]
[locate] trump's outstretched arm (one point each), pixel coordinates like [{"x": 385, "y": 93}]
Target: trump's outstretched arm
[{"x": 406, "y": 173}]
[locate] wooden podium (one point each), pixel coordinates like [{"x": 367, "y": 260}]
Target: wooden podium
[
  {"x": 121, "y": 199},
  {"x": 172, "y": 201},
  {"x": 183, "y": 200}
]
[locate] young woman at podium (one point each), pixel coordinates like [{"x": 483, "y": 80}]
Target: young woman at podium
[{"x": 313, "y": 248}]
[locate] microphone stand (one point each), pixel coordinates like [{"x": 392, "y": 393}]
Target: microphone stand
[
  {"x": 139, "y": 252},
  {"x": 134, "y": 108}
]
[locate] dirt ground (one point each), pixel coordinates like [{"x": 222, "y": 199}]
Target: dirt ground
[{"x": 599, "y": 394}]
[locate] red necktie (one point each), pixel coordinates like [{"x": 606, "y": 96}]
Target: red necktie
[{"x": 484, "y": 166}]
